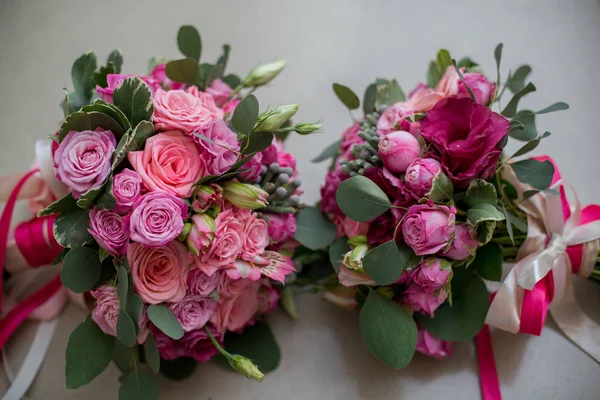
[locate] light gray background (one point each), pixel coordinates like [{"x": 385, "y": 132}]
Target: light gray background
[{"x": 324, "y": 41}]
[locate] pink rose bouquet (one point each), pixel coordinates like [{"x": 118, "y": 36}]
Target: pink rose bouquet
[
  {"x": 421, "y": 204},
  {"x": 180, "y": 219}
]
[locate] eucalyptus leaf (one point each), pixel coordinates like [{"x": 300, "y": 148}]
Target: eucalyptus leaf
[
  {"x": 66, "y": 204},
  {"x": 560, "y": 106},
  {"x": 516, "y": 81},
  {"x": 337, "y": 251},
  {"x": 184, "y": 70},
  {"x": 511, "y": 108},
  {"x": 233, "y": 81},
  {"x": 361, "y": 199},
  {"x": 533, "y": 172},
  {"x": 126, "y": 331},
  {"x": 369, "y": 99},
  {"x": 433, "y": 75},
  {"x": 528, "y": 132},
  {"x": 81, "y": 269},
  {"x": 346, "y": 96},
  {"x": 328, "y": 152},
  {"x": 444, "y": 60},
  {"x": 384, "y": 263},
  {"x": 498, "y": 58},
  {"x": 138, "y": 385},
  {"x": 178, "y": 369},
  {"x": 134, "y": 306},
  {"x": 124, "y": 357},
  {"x": 488, "y": 262},
  {"x": 509, "y": 224},
  {"x": 256, "y": 141},
  {"x": 189, "y": 42},
  {"x": 122, "y": 286},
  {"x": 134, "y": 98},
  {"x": 287, "y": 303},
  {"x": 467, "y": 63},
  {"x": 151, "y": 353},
  {"x": 313, "y": 229},
  {"x": 225, "y": 56},
  {"x": 71, "y": 228},
  {"x": 164, "y": 319},
  {"x": 244, "y": 116},
  {"x": 389, "y": 94}
]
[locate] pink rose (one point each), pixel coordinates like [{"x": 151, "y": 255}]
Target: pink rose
[
  {"x": 127, "y": 187},
  {"x": 269, "y": 155},
  {"x": 332, "y": 182},
  {"x": 195, "y": 344},
  {"x": 463, "y": 245},
  {"x": 184, "y": 110},
  {"x": 268, "y": 298},
  {"x": 193, "y": 312},
  {"x": 200, "y": 284},
  {"x": 222, "y": 151},
  {"x": 419, "y": 175},
  {"x": 423, "y": 301},
  {"x": 106, "y": 312},
  {"x": 220, "y": 91},
  {"x": 393, "y": 119},
  {"x": 483, "y": 90},
  {"x": 286, "y": 160},
  {"x": 432, "y": 346},
  {"x": 281, "y": 226},
  {"x": 427, "y": 228},
  {"x": 350, "y": 138},
  {"x": 156, "y": 220},
  {"x": 113, "y": 80},
  {"x": 432, "y": 274},
  {"x": 449, "y": 83},
  {"x": 107, "y": 228},
  {"x": 170, "y": 163},
  {"x": 83, "y": 159},
  {"x": 423, "y": 98},
  {"x": 226, "y": 246},
  {"x": 398, "y": 150},
  {"x": 468, "y": 137},
  {"x": 253, "y": 167},
  {"x": 381, "y": 229},
  {"x": 229, "y": 287},
  {"x": 255, "y": 237},
  {"x": 159, "y": 274},
  {"x": 236, "y": 311},
  {"x": 159, "y": 74}
]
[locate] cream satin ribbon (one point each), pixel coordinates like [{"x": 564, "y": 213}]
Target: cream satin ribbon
[{"x": 546, "y": 222}]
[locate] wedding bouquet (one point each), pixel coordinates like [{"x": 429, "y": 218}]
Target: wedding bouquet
[
  {"x": 179, "y": 216},
  {"x": 422, "y": 204}
]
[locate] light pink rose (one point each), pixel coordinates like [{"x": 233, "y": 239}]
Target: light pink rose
[
  {"x": 253, "y": 167},
  {"x": 419, "y": 175},
  {"x": 83, "y": 159},
  {"x": 107, "y": 228},
  {"x": 427, "y": 228},
  {"x": 159, "y": 274},
  {"x": 222, "y": 151},
  {"x": 113, "y": 80},
  {"x": 195, "y": 344},
  {"x": 398, "y": 150},
  {"x": 127, "y": 187},
  {"x": 200, "y": 284},
  {"x": 432, "y": 274},
  {"x": 170, "y": 163},
  {"x": 255, "y": 237},
  {"x": 483, "y": 90},
  {"x": 220, "y": 91},
  {"x": 160, "y": 75},
  {"x": 225, "y": 247},
  {"x": 423, "y": 301},
  {"x": 184, "y": 110},
  {"x": 268, "y": 298},
  {"x": 432, "y": 346},
  {"x": 281, "y": 226},
  {"x": 236, "y": 311},
  {"x": 463, "y": 245},
  {"x": 393, "y": 119},
  {"x": 193, "y": 312},
  {"x": 106, "y": 312}
]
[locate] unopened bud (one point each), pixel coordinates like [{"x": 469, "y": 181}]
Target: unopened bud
[
  {"x": 245, "y": 195},
  {"x": 307, "y": 128},
  {"x": 264, "y": 74},
  {"x": 276, "y": 118},
  {"x": 353, "y": 258},
  {"x": 246, "y": 367}
]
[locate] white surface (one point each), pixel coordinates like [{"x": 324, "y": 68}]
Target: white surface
[{"x": 351, "y": 42}]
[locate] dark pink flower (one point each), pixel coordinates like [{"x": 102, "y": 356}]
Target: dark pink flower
[
  {"x": 332, "y": 182},
  {"x": 106, "y": 227},
  {"x": 432, "y": 274},
  {"x": 432, "y": 346},
  {"x": 398, "y": 149},
  {"x": 419, "y": 175},
  {"x": 427, "y": 228},
  {"x": 422, "y": 301},
  {"x": 482, "y": 88},
  {"x": 281, "y": 226},
  {"x": 463, "y": 245}
]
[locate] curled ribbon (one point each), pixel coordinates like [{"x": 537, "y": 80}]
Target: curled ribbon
[{"x": 561, "y": 240}]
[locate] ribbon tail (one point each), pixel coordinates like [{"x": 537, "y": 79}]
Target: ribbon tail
[{"x": 488, "y": 375}]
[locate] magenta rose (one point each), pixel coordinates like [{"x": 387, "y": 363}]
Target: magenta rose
[
  {"x": 156, "y": 220},
  {"x": 468, "y": 137},
  {"x": 432, "y": 274},
  {"x": 195, "y": 344},
  {"x": 419, "y": 175},
  {"x": 127, "y": 187},
  {"x": 482, "y": 89},
  {"x": 463, "y": 245},
  {"x": 193, "y": 312},
  {"x": 159, "y": 274},
  {"x": 222, "y": 151},
  {"x": 350, "y": 138},
  {"x": 427, "y": 228},
  {"x": 268, "y": 298},
  {"x": 398, "y": 150},
  {"x": 113, "y": 80},
  {"x": 236, "y": 311},
  {"x": 432, "y": 346},
  {"x": 332, "y": 182},
  {"x": 269, "y": 155},
  {"x": 106, "y": 312},
  {"x": 107, "y": 228},
  {"x": 83, "y": 159},
  {"x": 286, "y": 160},
  {"x": 226, "y": 246},
  {"x": 200, "y": 284},
  {"x": 422, "y": 301},
  {"x": 381, "y": 229},
  {"x": 184, "y": 110},
  {"x": 281, "y": 226}
]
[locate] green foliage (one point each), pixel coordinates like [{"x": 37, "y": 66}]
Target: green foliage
[
  {"x": 480, "y": 192},
  {"x": 138, "y": 385},
  {"x": 498, "y": 58},
  {"x": 389, "y": 93},
  {"x": 189, "y": 42},
  {"x": 81, "y": 75},
  {"x": 314, "y": 230},
  {"x": 511, "y": 108},
  {"x": 337, "y": 251},
  {"x": 185, "y": 70},
  {"x": 484, "y": 212},
  {"x": 116, "y": 58},
  {"x": 516, "y": 81},
  {"x": 370, "y": 98},
  {"x": 134, "y": 98},
  {"x": 111, "y": 110},
  {"x": 441, "y": 188},
  {"x": 244, "y": 116},
  {"x": 559, "y": 106},
  {"x": 346, "y": 96},
  {"x": 106, "y": 199},
  {"x": 287, "y": 303},
  {"x": 361, "y": 199},
  {"x": 81, "y": 269},
  {"x": 328, "y": 152},
  {"x": 126, "y": 330},
  {"x": 132, "y": 141},
  {"x": 523, "y": 126},
  {"x": 433, "y": 74},
  {"x": 533, "y": 172},
  {"x": 87, "y": 199},
  {"x": 386, "y": 262},
  {"x": 66, "y": 204},
  {"x": 162, "y": 317},
  {"x": 488, "y": 262},
  {"x": 88, "y": 121},
  {"x": 255, "y": 142},
  {"x": 179, "y": 369},
  {"x": 71, "y": 228},
  {"x": 151, "y": 353}
]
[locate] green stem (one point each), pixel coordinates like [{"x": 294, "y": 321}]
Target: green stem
[{"x": 224, "y": 352}]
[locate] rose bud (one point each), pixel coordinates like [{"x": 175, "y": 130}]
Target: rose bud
[
  {"x": 263, "y": 74},
  {"x": 353, "y": 258},
  {"x": 463, "y": 245},
  {"x": 127, "y": 187},
  {"x": 202, "y": 233},
  {"x": 433, "y": 274},
  {"x": 428, "y": 228},
  {"x": 432, "y": 346},
  {"x": 106, "y": 227},
  {"x": 422, "y": 301},
  {"x": 246, "y": 367},
  {"x": 482, "y": 89},
  {"x": 419, "y": 175},
  {"x": 245, "y": 195},
  {"x": 398, "y": 150},
  {"x": 275, "y": 119}
]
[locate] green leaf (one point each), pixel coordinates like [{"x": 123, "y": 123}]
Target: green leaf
[
  {"x": 256, "y": 141},
  {"x": 287, "y": 303},
  {"x": 184, "y": 70},
  {"x": 88, "y": 353},
  {"x": 313, "y": 229},
  {"x": 126, "y": 332},
  {"x": 162, "y": 317},
  {"x": 123, "y": 286},
  {"x": 361, "y": 199},
  {"x": 386, "y": 262},
  {"x": 511, "y": 108},
  {"x": 189, "y": 42},
  {"x": 178, "y": 369},
  {"x": 462, "y": 79},
  {"x": 65, "y": 103},
  {"x": 369, "y": 99},
  {"x": 441, "y": 188},
  {"x": 216, "y": 72},
  {"x": 99, "y": 77},
  {"x": 465, "y": 318},
  {"x": 116, "y": 58},
  {"x": 103, "y": 254},
  {"x": 337, "y": 251},
  {"x": 66, "y": 204},
  {"x": 123, "y": 357},
  {"x": 225, "y": 56},
  {"x": 467, "y": 63},
  {"x": 329, "y": 152},
  {"x": 256, "y": 343},
  {"x": 554, "y": 107},
  {"x": 232, "y": 80},
  {"x": 346, "y": 96},
  {"x": 87, "y": 199},
  {"x": 134, "y": 98},
  {"x": 151, "y": 353},
  {"x": 484, "y": 212},
  {"x": 134, "y": 306},
  {"x": 516, "y": 81},
  {"x": 389, "y": 94},
  {"x": 138, "y": 385},
  {"x": 111, "y": 110},
  {"x": 81, "y": 75},
  {"x": 71, "y": 228},
  {"x": 81, "y": 269},
  {"x": 388, "y": 331},
  {"x": 484, "y": 231},
  {"x": 528, "y": 132},
  {"x": 535, "y": 173},
  {"x": 433, "y": 74},
  {"x": 529, "y": 146},
  {"x": 480, "y": 192},
  {"x": 88, "y": 121},
  {"x": 132, "y": 141},
  {"x": 106, "y": 199},
  {"x": 488, "y": 262},
  {"x": 244, "y": 116},
  {"x": 509, "y": 223},
  {"x": 498, "y": 57},
  {"x": 443, "y": 60}
]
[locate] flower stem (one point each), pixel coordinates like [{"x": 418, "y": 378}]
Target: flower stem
[{"x": 214, "y": 341}]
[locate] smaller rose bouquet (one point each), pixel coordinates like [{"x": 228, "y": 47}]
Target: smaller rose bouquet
[
  {"x": 179, "y": 216},
  {"x": 421, "y": 205}
]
